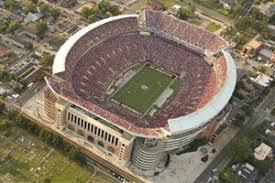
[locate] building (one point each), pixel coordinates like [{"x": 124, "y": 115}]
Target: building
[
  {"x": 228, "y": 4},
  {"x": 262, "y": 151},
  {"x": 32, "y": 17},
  {"x": 27, "y": 34},
  {"x": 14, "y": 41},
  {"x": 3, "y": 50},
  {"x": 251, "y": 48},
  {"x": 268, "y": 10},
  {"x": 93, "y": 66},
  {"x": 266, "y": 54},
  {"x": 262, "y": 79}
]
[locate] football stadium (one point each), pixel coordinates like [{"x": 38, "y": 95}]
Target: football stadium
[{"x": 138, "y": 87}]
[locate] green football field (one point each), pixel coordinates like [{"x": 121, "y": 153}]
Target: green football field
[{"x": 143, "y": 89}]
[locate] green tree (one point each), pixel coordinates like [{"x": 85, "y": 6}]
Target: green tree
[
  {"x": 28, "y": 45},
  {"x": 2, "y": 107},
  {"x": 5, "y": 124},
  {"x": 12, "y": 115},
  {"x": 46, "y": 59},
  {"x": 18, "y": 118},
  {"x": 13, "y": 26},
  {"x": 44, "y": 8},
  {"x": 255, "y": 13},
  {"x": 182, "y": 14},
  {"x": 55, "y": 13},
  {"x": 105, "y": 8},
  {"x": 86, "y": 12},
  {"x": 47, "y": 180},
  {"x": 263, "y": 166},
  {"x": 229, "y": 177},
  {"x": 10, "y": 4},
  {"x": 29, "y": 6},
  {"x": 41, "y": 29},
  {"x": 240, "y": 149}
]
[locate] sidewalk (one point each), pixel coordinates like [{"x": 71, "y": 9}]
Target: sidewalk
[{"x": 185, "y": 168}]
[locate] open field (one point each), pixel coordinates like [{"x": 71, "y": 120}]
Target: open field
[
  {"x": 143, "y": 89},
  {"x": 212, "y": 27},
  {"x": 24, "y": 158}
]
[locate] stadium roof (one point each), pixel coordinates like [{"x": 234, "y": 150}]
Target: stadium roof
[
  {"x": 60, "y": 58},
  {"x": 203, "y": 115}
]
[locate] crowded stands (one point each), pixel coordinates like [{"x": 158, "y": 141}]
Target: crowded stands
[{"x": 104, "y": 52}]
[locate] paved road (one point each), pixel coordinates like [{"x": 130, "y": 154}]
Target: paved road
[
  {"x": 210, "y": 13},
  {"x": 251, "y": 122},
  {"x": 30, "y": 92},
  {"x": 245, "y": 8}
]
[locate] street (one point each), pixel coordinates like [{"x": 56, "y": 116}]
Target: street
[
  {"x": 260, "y": 113},
  {"x": 30, "y": 92},
  {"x": 210, "y": 13},
  {"x": 245, "y": 8}
]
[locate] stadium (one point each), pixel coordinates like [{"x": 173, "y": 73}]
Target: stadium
[{"x": 138, "y": 87}]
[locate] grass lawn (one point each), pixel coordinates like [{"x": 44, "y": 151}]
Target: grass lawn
[
  {"x": 214, "y": 5},
  {"x": 143, "y": 89},
  {"x": 101, "y": 177},
  {"x": 38, "y": 163},
  {"x": 212, "y": 27}
]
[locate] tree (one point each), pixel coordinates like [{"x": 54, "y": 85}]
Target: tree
[
  {"x": 13, "y": 26},
  {"x": 18, "y": 119},
  {"x": 86, "y": 12},
  {"x": 247, "y": 109},
  {"x": 47, "y": 180},
  {"x": 240, "y": 149},
  {"x": 182, "y": 14},
  {"x": 28, "y": 45},
  {"x": 256, "y": 13},
  {"x": 55, "y": 13},
  {"x": 263, "y": 166},
  {"x": 10, "y": 4},
  {"x": 44, "y": 8},
  {"x": 46, "y": 59},
  {"x": 106, "y": 9},
  {"x": 12, "y": 115},
  {"x": 229, "y": 177},
  {"x": 41, "y": 29},
  {"x": 248, "y": 23},
  {"x": 5, "y": 124},
  {"x": 2, "y": 107},
  {"x": 29, "y": 6}
]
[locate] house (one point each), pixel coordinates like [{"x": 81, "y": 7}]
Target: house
[
  {"x": 251, "y": 48},
  {"x": 31, "y": 17},
  {"x": 262, "y": 79},
  {"x": 262, "y": 151},
  {"x": 3, "y": 50},
  {"x": 228, "y": 4},
  {"x": 14, "y": 41},
  {"x": 27, "y": 34},
  {"x": 266, "y": 54},
  {"x": 268, "y": 10},
  {"x": 175, "y": 9}
]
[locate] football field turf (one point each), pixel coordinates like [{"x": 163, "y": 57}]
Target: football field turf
[{"x": 143, "y": 89}]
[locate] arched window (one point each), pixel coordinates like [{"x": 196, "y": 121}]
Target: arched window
[
  {"x": 100, "y": 143},
  {"x": 71, "y": 127},
  {"x": 90, "y": 138},
  {"x": 111, "y": 149},
  {"x": 80, "y": 132}
]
